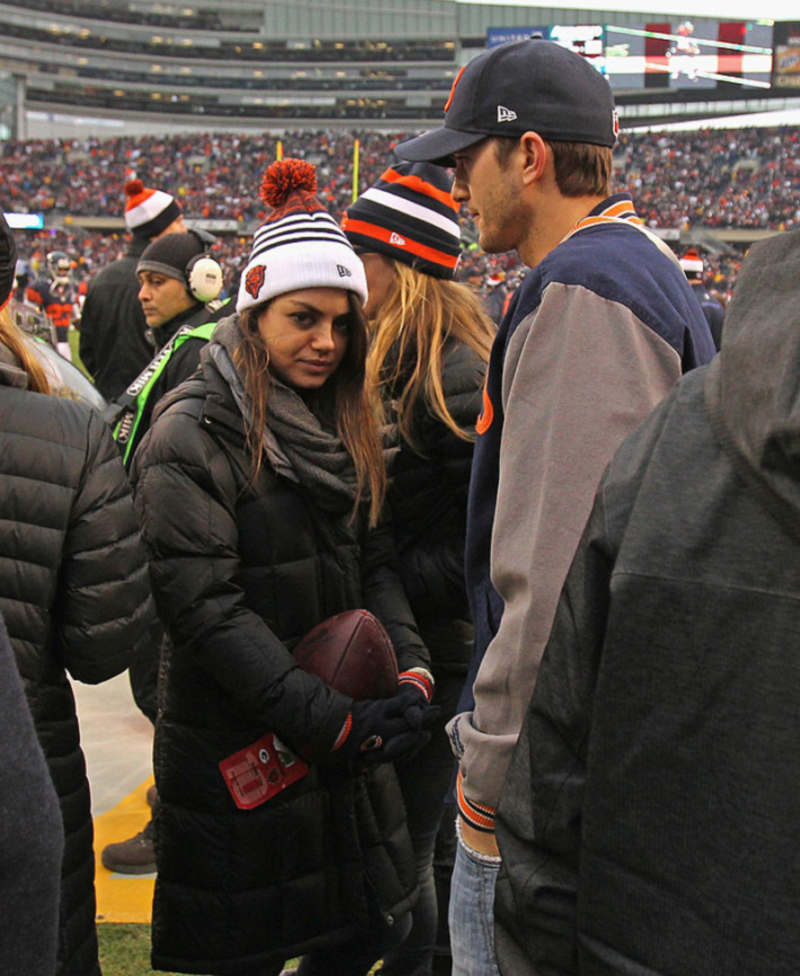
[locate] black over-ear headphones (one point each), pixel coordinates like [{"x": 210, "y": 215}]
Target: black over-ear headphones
[{"x": 204, "y": 275}]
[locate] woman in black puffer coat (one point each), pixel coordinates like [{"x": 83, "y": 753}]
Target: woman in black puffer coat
[
  {"x": 256, "y": 485},
  {"x": 74, "y": 591},
  {"x": 430, "y": 344}
]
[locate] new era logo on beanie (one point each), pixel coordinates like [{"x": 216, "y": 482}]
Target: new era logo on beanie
[
  {"x": 514, "y": 88},
  {"x": 300, "y": 245},
  {"x": 410, "y": 216},
  {"x": 148, "y": 212}
]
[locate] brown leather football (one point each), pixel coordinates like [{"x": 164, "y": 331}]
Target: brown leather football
[{"x": 352, "y": 653}]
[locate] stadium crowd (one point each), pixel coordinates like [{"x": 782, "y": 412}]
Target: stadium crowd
[{"x": 745, "y": 178}]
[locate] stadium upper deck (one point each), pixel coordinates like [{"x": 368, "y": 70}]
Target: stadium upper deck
[{"x": 271, "y": 63}]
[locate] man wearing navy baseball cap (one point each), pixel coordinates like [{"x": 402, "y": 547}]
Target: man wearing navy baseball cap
[{"x": 598, "y": 332}]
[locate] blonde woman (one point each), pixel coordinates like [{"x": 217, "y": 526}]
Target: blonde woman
[
  {"x": 258, "y": 484},
  {"x": 430, "y": 341}
]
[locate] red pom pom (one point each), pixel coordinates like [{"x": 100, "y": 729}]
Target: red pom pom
[
  {"x": 285, "y": 177},
  {"x": 133, "y": 188}
]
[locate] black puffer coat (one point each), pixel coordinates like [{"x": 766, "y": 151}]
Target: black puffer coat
[
  {"x": 75, "y": 597},
  {"x": 428, "y": 500},
  {"x": 239, "y": 575}
]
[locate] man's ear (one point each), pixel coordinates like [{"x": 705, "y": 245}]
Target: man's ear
[{"x": 534, "y": 157}]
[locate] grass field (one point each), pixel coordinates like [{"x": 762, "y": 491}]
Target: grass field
[{"x": 124, "y": 950}]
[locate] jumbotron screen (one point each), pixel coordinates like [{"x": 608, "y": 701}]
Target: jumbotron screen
[{"x": 673, "y": 54}]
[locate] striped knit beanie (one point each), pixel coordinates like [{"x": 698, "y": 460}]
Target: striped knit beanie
[
  {"x": 409, "y": 215},
  {"x": 300, "y": 245},
  {"x": 148, "y": 212},
  {"x": 692, "y": 264}
]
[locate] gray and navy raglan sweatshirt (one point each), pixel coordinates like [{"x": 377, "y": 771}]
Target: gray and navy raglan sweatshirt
[{"x": 595, "y": 337}]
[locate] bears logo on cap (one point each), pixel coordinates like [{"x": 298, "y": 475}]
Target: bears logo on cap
[{"x": 254, "y": 279}]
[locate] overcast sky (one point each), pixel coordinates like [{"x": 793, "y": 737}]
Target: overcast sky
[{"x": 726, "y": 9}]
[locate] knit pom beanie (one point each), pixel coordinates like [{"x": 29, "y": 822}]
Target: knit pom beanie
[
  {"x": 148, "y": 212},
  {"x": 410, "y": 216},
  {"x": 300, "y": 245}
]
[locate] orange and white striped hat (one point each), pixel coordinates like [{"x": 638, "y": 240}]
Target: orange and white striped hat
[
  {"x": 409, "y": 215},
  {"x": 148, "y": 212}
]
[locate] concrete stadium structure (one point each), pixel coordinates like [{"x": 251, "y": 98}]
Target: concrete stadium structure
[{"x": 141, "y": 66}]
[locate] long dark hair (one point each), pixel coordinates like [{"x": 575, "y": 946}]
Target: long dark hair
[{"x": 345, "y": 399}]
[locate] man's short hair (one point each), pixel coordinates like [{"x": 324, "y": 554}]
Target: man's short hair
[{"x": 581, "y": 168}]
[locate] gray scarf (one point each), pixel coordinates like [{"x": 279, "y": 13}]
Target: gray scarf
[{"x": 297, "y": 445}]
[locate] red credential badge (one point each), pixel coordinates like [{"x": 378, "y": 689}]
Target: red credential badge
[{"x": 261, "y": 771}]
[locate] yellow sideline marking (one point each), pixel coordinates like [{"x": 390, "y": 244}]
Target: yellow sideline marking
[{"x": 123, "y": 898}]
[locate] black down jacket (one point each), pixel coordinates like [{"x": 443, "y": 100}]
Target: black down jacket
[
  {"x": 75, "y": 597},
  {"x": 239, "y": 575},
  {"x": 428, "y": 501}
]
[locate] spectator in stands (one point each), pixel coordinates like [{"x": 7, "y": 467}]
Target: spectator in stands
[
  {"x": 648, "y": 821},
  {"x": 599, "y": 331},
  {"x": 256, "y": 484},
  {"x": 57, "y": 295},
  {"x": 430, "y": 343},
  {"x": 74, "y": 593},
  {"x": 692, "y": 264},
  {"x": 495, "y": 295},
  {"x": 113, "y": 345}
]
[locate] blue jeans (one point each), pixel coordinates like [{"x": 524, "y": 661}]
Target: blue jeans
[{"x": 472, "y": 912}]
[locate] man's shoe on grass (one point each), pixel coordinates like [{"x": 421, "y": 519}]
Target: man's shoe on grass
[{"x": 134, "y": 856}]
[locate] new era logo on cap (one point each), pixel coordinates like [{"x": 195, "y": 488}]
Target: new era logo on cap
[
  {"x": 397, "y": 239},
  {"x": 505, "y": 114},
  {"x": 343, "y": 271}
]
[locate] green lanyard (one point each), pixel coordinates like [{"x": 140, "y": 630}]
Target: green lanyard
[{"x": 138, "y": 393}]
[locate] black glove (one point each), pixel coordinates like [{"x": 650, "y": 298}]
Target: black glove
[{"x": 386, "y": 730}]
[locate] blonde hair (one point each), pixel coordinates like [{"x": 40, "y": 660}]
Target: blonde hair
[
  {"x": 14, "y": 339},
  {"x": 419, "y": 316},
  {"x": 345, "y": 399}
]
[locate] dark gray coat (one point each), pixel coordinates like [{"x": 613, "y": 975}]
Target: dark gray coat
[
  {"x": 649, "y": 818},
  {"x": 75, "y": 597}
]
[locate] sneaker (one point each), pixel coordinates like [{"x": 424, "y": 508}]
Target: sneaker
[{"x": 134, "y": 856}]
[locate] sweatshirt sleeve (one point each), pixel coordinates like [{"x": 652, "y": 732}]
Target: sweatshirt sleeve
[{"x": 580, "y": 372}]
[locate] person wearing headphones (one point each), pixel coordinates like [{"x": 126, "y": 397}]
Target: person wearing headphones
[{"x": 180, "y": 283}]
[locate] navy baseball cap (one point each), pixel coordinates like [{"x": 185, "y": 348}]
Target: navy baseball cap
[{"x": 514, "y": 88}]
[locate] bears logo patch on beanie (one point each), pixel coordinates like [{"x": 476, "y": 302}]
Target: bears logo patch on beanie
[
  {"x": 409, "y": 215},
  {"x": 299, "y": 245},
  {"x": 148, "y": 212}
]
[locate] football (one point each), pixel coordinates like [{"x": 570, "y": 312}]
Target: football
[{"x": 352, "y": 653}]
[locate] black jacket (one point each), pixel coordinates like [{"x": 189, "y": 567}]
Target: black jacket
[
  {"x": 648, "y": 822},
  {"x": 113, "y": 343},
  {"x": 239, "y": 575},
  {"x": 75, "y": 597},
  {"x": 179, "y": 367},
  {"x": 428, "y": 501}
]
